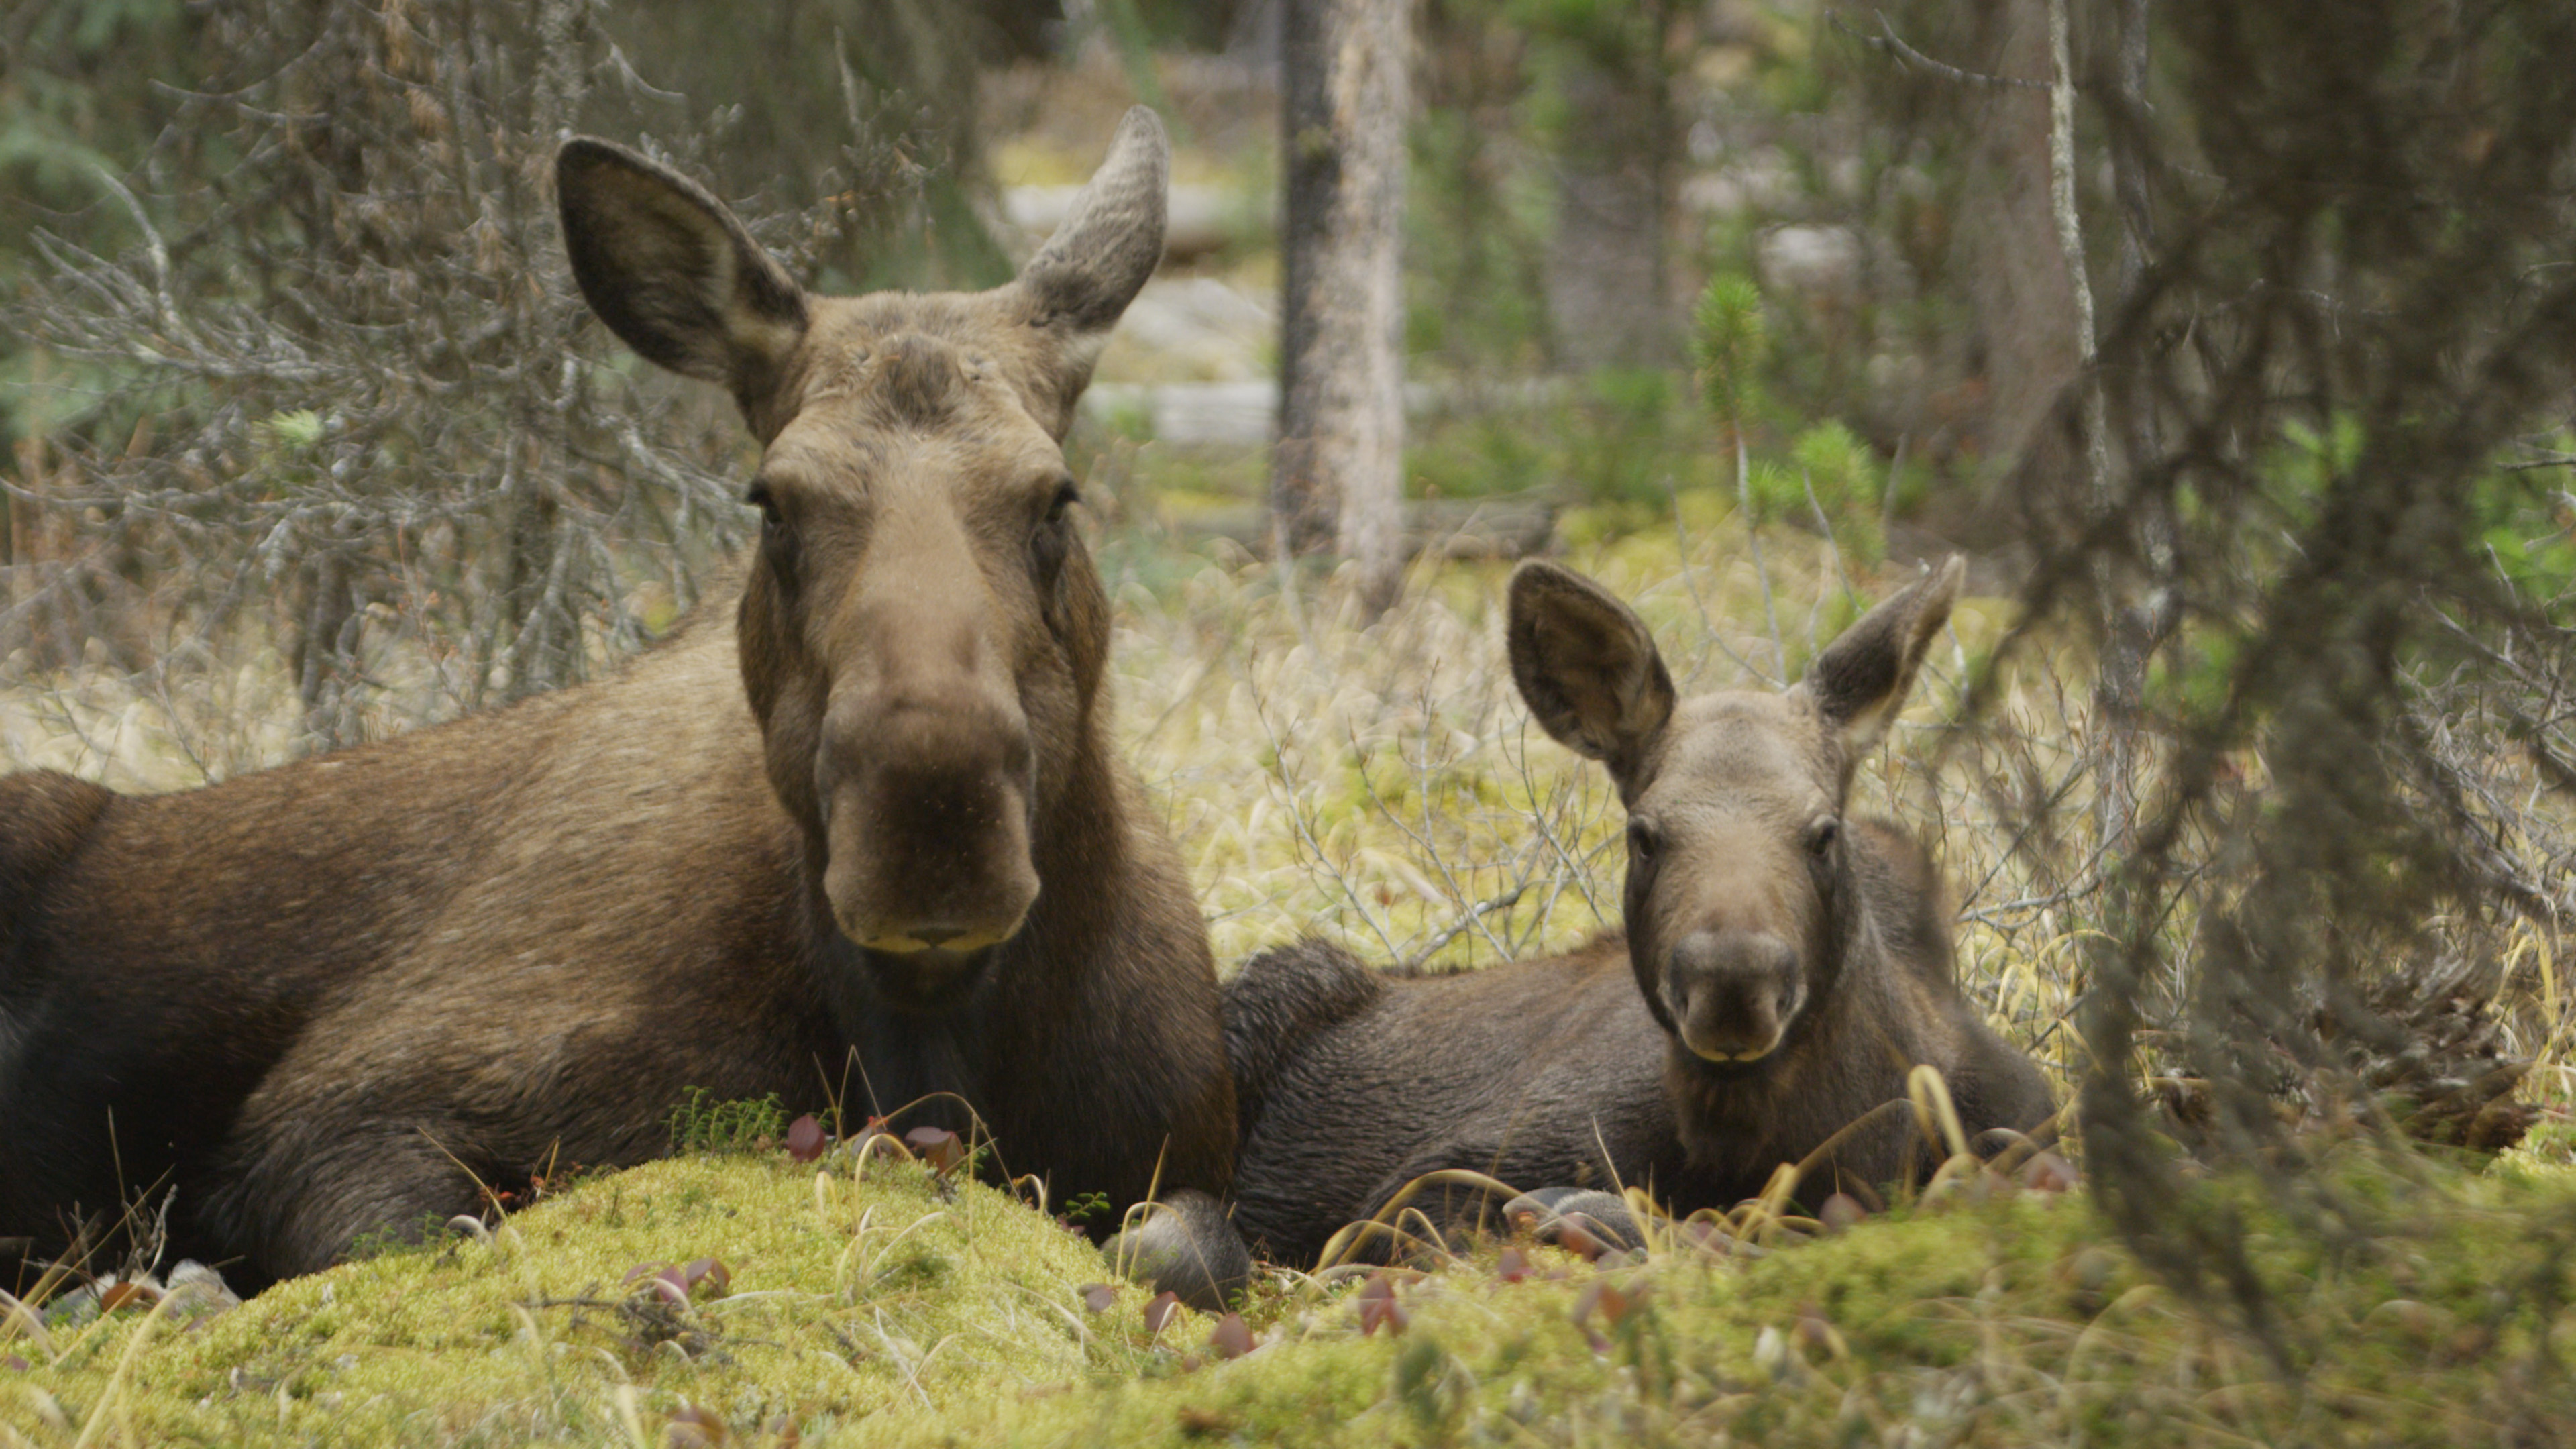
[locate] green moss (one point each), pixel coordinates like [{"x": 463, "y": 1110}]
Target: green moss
[
  {"x": 846, "y": 1298},
  {"x": 889, "y": 1312}
]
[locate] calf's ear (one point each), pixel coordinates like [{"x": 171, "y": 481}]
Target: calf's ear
[
  {"x": 1860, "y": 682},
  {"x": 1111, "y": 239},
  {"x": 671, "y": 271},
  {"x": 1587, "y": 667}
]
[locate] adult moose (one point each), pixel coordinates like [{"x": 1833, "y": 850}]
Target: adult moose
[
  {"x": 1783, "y": 968},
  {"x": 871, "y": 841}
]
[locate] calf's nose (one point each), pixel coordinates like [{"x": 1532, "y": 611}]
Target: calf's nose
[{"x": 1731, "y": 993}]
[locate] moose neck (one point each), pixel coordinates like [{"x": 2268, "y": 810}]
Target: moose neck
[{"x": 908, "y": 1047}]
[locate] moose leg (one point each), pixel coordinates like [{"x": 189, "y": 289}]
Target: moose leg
[
  {"x": 1186, "y": 1246},
  {"x": 296, "y": 1203},
  {"x": 1584, "y": 1219}
]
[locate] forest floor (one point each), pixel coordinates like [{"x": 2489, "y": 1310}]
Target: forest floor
[
  {"x": 1380, "y": 784},
  {"x": 895, "y": 1308}
]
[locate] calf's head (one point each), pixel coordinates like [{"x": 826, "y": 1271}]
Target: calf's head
[
  {"x": 922, "y": 632},
  {"x": 1737, "y": 871}
]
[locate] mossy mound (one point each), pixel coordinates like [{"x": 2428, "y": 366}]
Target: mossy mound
[
  {"x": 2012, "y": 1321},
  {"x": 843, "y": 1298},
  {"x": 903, "y": 1311}
]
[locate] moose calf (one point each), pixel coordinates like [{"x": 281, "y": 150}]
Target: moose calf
[
  {"x": 871, "y": 842},
  {"x": 1783, "y": 968}
]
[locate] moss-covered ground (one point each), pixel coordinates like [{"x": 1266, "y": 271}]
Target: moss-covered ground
[
  {"x": 899, "y": 1310},
  {"x": 1377, "y": 781}
]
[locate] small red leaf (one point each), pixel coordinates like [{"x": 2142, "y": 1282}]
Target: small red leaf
[
  {"x": 15, "y": 1364},
  {"x": 806, "y": 1138},
  {"x": 1573, "y": 1234},
  {"x": 673, "y": 1285},
  {"x": 641, "y": 1270},
  {"x": 1231, "y": 1338},
  {"x": 2048, "y": 1172},
  {"x": 1378, "y": 1307},
  {"x": 1512, "y": 1266},
  {"x": 1164, "y": 1308},
  {"x": 127, "y": 1295},
  {"x": 1097, "y": 1297},
  {"x": 707, "y": 1273},
  {"x": 936, "y": 1145},
  {"x": 1840, "y": 1212},
  {"x": 1607, "y": 1298}
]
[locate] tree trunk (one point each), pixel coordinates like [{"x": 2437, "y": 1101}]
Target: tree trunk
[
  {"x": 1609, "y": 275},
  {"x": 541, "y": 633},
  {"x": 1337, "y": 469},
  {"x": 2016, "y": 274}
]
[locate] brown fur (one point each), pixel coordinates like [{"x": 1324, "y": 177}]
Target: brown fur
[
  {"x": 880, "y": 846},
  {"x": 1762, "y": 925}
]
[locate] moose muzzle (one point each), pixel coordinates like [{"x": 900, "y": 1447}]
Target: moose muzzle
[
  {"x": 927, "y": 812},
  {"x": 1732, "y": 993}
]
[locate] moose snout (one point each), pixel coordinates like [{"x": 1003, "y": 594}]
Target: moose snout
[
  {"x": 927, "y": 810},
  {"x": 1732, "y": 993}
]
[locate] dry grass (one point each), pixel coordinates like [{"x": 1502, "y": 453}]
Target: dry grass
[
  {"x": 1382, "y": 785},
  {"x": 1385, "y": 785}
]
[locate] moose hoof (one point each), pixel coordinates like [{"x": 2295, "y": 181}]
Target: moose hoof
[
  {"x": 1185, "y": 1246},
  {"x": 1580, "y": 1219}
]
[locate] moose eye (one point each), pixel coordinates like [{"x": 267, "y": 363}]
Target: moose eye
[
  {"x": 1048, "y": 544},
  {"x": 1644, "y": 840},
  {"x": 777, "y": 540},
  {"x": 1822, "y": 834},
  {"x": 1066, "y": 495}
]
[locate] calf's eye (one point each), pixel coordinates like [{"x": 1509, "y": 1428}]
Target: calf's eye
[
  {"x": 1047, "y": 545},
  {"x": 1821, "y": 836}
]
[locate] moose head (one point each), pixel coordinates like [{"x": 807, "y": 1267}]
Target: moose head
[
  {"x": 1739, "y": 876},
  {"x": 922, "y": 632}
]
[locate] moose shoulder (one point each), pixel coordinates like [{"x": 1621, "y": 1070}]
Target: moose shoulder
[
  {"x": 1783, "y": 969},
  {"x": 870, "y": 843}
]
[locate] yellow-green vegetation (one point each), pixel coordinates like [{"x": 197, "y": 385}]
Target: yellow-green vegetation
[
  {"x": 894, "y": 1310},
  {"x": 843, "y": 1298},
  {"x": 1378, "y": 783}
]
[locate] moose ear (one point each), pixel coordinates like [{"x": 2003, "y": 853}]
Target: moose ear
[
  {"x": 1111, "y": 240},
  {"x": 1861, "y": 680},
  {"x": 1587, "y": 667},
  {"x": 671, "y": 271}
]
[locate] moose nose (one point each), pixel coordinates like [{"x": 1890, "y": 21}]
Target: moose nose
[
  {"x": 1732, "y": 993},
  {"x": 928, "y": 836}
]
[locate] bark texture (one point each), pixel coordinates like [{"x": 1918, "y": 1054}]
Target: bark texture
[
  {"x": 1337, "y": 470},
  {"x": 1609, "y": 273},
  {"x": 2011, "y": 253}
]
